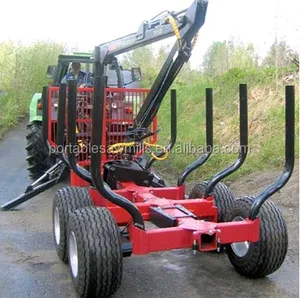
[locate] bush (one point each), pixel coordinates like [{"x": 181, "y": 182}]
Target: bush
[{"x": 22, "y": 73}]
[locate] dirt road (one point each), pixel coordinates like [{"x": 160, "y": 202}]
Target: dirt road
[{"x": 29, "y": 266}]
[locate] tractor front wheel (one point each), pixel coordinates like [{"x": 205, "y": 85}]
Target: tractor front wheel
[
  {"x": 259, "y": 259},
  {"x": 94, "y": 252}
]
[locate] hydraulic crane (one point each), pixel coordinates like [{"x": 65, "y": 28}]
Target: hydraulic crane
[{"x": 185, "y": 25}]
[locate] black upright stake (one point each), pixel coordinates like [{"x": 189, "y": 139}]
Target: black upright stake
[
  {"x": 96, "y": 155},
  {"x": 243, "y": 144},
  {"x": 289, "y": 154},
  {"x": 61, "y": 124},
  {"x": 209, "y": 139},
  {"x": 71, "y": 137},
  {"x": 45, "y": 115}
]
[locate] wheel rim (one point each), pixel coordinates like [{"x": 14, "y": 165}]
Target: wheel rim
[
  {"x": 240, "y": 248},
  {"x": 73, "y": 254},
  {"x": 56, "y": 226}
]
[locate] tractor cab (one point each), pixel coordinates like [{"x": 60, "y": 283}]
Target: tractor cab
[{"x": 117, "y": 76}]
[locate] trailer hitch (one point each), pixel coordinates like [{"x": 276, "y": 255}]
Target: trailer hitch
[{"x": 46, "y": 181}]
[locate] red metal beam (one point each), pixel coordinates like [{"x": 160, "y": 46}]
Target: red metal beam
[{"x": 144, "y": 242}]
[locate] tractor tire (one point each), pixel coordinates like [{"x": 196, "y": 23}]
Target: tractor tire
[
  {"x": 38, "y": 158},
  {"x": 224, "y": 198},
  {"x": 259, "y": 259},
  {"x": 94, "y": 251},
  {"x": 66, "y": 200}
]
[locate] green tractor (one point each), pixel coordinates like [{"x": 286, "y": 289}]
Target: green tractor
[{"x": 39, "y": 159}]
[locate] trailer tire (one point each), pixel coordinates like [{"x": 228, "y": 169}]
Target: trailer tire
[
  {"x": 94, "y": 251},
  {"x": 224, "y": 198},
  {"x": 259, "y": 259},
  {"x": 66, "y": 200}
]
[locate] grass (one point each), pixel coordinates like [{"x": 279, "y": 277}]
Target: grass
[{"x": 266, "y": 112}]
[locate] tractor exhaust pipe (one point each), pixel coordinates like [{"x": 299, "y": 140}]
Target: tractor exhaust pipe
[{"x": 289, "y": 154}]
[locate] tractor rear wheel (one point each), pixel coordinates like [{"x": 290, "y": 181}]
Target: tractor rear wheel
[
  {"x": 223, "y": 197},
  {"x": 94, "y": 252},
  {"x": 66, "y": 200},
  {"x": 38, "y": 158},
  {"x": 259, "y": 259}
]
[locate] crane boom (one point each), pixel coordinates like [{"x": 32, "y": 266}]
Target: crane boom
[{"x": 148, "y": 32}]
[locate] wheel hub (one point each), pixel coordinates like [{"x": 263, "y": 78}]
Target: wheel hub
[
  {"x": 240, "y": 248},
  {"x": 56, "y": 226},
  {"x": 73, "y": 255}
]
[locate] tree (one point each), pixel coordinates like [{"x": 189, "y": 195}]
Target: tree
[
  {"x": 223, "y": 56},
  {"x": 151, "y": 63},
  {"x": 278, "y": 55},
  {"x": 243, "y": 56},
  {"x": 143, "y": 58},
  {"x": 216, "y": 59}
]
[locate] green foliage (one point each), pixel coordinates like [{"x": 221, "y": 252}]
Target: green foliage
[
  {"x": 223, "y": 56},
  {"x": 143, "y": 58},
  {"x": 22, "y": 73},
  {"x": 279, "y": 55},
  {"x": 216, "y": 59},
  {"x": 151, "y": 62}
]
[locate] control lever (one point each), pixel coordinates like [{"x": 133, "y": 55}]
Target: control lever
[{"x": 139, "y": 134}]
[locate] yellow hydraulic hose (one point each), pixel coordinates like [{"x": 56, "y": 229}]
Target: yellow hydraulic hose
[
  {"x": 170, "y": 19},
  {"x": 80, "y": 142},
  {"x": 119, "y": 147}
]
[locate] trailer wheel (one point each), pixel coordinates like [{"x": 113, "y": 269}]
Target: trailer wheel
[
  {"x": 224, "y": 198},
  {"x": 66, "y": 200},
  {"x": 94, "y": 251},
  {"x": 255, "y": 260}
]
